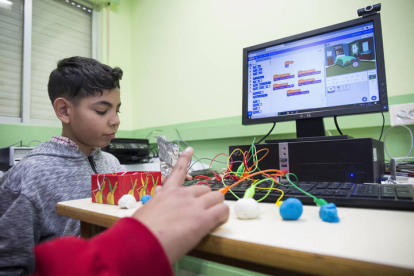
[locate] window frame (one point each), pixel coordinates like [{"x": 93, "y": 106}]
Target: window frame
[{"x": 25, "y": 118}]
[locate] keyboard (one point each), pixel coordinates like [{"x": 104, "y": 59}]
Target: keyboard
[{"x": 375, "y": 196}]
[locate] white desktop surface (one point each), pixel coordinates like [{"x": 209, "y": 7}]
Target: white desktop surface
[{"x": 376, "y": 236}]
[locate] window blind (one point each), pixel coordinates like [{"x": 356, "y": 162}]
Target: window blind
[
  {"x": 60, "y": 29},
  {"x": 11, "y": 53}
]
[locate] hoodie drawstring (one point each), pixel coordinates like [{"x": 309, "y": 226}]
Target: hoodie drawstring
[{"x": 92, "y": 162}]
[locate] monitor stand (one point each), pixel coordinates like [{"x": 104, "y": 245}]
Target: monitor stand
[
  {"x": 308, "y": 139},
  {"x": 309, "y": 129}
]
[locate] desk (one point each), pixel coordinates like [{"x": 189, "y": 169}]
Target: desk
[{"x": 364, "y": 242}]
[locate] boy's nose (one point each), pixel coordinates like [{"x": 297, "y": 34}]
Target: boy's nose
[{"x": 115, "y": 120}]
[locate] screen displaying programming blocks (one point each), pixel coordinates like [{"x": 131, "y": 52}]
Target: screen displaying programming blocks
[{"x": 334, "y": 70}]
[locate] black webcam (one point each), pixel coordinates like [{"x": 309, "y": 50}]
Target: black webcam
[{"x": 369, "y": 10}]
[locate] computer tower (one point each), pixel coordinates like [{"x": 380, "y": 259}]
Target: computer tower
[
  {"x": 129, "y": 151},
  {"x": 347, "y": 160},
  {"x": 10, "y": 156}
]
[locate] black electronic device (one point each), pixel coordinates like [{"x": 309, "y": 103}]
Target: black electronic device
[
  {"x": 129, "y": 151},
  {"x": 348, "y": 160},
  {"x": 342, "y": 194},
  {"x": 332, "y": 71},
  {"x": 321, "y": 138},
  {"x": 369, "y": 10},
  {"x": 10, "y": 156}
]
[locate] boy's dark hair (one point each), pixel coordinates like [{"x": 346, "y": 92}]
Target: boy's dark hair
[{"x": 77, "y": 77}]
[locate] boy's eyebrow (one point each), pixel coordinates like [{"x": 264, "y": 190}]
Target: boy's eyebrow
[{"x": 106, "y": 103}]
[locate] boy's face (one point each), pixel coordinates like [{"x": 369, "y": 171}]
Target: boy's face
[{"x": 94, "y": 121}]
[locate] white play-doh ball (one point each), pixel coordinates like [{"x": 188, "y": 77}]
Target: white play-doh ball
[
  {"x": 124, "y": 199},
  {"x": 131, "y": 204},
  {"x": 247, "y": 208}
]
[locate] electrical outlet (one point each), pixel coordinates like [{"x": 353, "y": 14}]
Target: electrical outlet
[{"x": 402, "y": 114}]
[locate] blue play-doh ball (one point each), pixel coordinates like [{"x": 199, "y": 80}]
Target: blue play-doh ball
[
  {"x": 145, "y": 198},
  {"x": 291, "y": 209},
  {"x": 329, "y": 213}
]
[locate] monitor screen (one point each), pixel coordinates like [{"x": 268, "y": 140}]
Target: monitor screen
[{"x": 337, "y": 70}]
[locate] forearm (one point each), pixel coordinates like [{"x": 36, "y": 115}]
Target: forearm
[{"x": 127, "y": 248}]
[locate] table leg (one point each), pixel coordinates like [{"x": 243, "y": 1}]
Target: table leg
[{"x": 88, "y": 230}]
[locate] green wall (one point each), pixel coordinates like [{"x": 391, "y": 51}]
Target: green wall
[
  {"x": 187, "y": 61},
  {"x": 10, "y": 134},
  {"x": 115, "y": 49}
]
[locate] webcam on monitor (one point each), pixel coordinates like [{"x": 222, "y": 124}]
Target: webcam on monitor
[{"x": 369, "y": 10}]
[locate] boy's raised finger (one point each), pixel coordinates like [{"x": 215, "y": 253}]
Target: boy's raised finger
[{"x": 177, "y": 176}]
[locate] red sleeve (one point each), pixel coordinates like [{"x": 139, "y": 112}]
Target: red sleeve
[{"x": 127, "y": 248}]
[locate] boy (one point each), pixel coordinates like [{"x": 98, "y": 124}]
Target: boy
[
  {"x": 158, "y": 234},
  {"x": 86, "y": 98}
]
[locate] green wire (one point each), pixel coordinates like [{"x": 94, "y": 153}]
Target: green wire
[
  {"x": 253, "y": 152},
  {"x": 222, "y": 181},
  {"x": 270, "y": 189},
  {"x": 254, "y": 156},
  {"x": 241, "y": 167},
  {"x": 294, "y": 185}
]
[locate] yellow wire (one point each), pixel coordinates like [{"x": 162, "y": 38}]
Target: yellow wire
[
  {"x": 228, "y": 160},
  {"x": 280, "y": 197},
  {"x": 232, "y": 172}
]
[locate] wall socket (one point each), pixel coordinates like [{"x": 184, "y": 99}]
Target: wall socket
[{"x": 402, "y": 114}]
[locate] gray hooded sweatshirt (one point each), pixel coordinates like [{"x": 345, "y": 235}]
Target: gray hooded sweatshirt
[{"x": 29, "y": 191}]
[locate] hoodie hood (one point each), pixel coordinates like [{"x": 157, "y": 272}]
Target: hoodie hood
[{"x": 60, "y": 150}]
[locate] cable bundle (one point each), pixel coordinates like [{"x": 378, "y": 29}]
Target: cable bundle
[{"x": 245, "y": 172}]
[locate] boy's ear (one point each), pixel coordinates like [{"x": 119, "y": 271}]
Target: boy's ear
[{"x": 61, "y": 107}]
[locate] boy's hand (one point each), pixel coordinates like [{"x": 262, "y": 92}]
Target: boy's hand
[
  {"x": 181, "y": 217},
  {"x": 164, "y": 178}
]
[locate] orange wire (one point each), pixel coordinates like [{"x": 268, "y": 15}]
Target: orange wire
[
  {"x": 227, "y": 188},
  {"x": 254, "y": 163}
]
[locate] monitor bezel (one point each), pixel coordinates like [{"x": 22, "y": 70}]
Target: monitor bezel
[{"x": 379, "y": 49}]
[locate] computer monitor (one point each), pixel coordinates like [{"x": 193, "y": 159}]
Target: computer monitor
[{"x": 333, "y": 71}]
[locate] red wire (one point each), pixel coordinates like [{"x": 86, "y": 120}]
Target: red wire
[
  {"x": 245, "y": 159},
  {"x": 232, "y": 176},
  {"x": 202, "y": 177},
  {"x": 216, "y": 176},
  {"x": 225, "y": 189}
]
